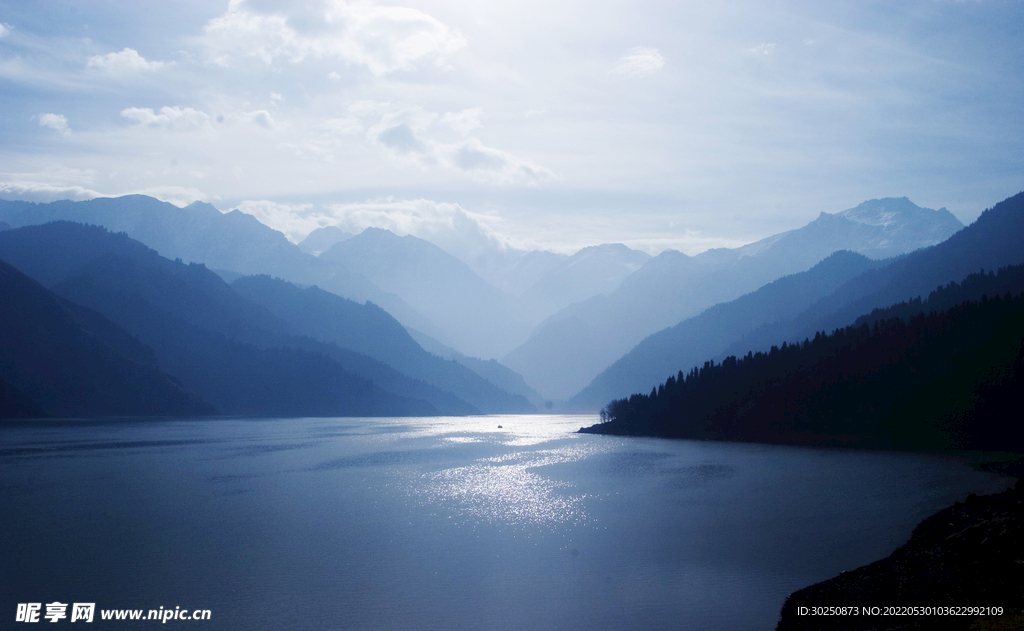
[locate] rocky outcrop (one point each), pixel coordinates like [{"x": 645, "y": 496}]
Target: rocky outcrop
[{"x": 970, "y": 555}]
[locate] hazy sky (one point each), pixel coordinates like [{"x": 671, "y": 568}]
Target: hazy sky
[{"x": 544, "y": 124}]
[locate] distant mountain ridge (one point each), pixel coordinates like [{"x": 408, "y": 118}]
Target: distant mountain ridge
[
  {"x": 598, "y": 269},
  {"x": 694, "y": 340},
  {"x": 371, "y": 331},
  {"x": 199, "y": 233},
  {"x": 231, "y": 352},
  {"x": 570, "y": 348},
  {"x": 321, "y": 239},
  {"x": 473, "y": 315},
  {"x": 991, "y": 242},
  {"x": 917, "y": 373},
  {"x": 455, "y": 305}
]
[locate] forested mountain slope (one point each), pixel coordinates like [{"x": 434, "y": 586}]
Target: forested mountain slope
[
  {"x": 944, "y": 380},
  {"x": 60, "y": 359}
]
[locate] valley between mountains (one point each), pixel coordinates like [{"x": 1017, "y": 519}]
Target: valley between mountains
[{"x": 239, "y": 320}]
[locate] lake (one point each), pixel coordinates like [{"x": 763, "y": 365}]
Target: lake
[{"x": 441, "y": 523}]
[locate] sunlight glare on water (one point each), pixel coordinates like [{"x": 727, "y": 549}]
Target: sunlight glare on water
[
  {"x": 515, "y": 431},
  {"x": 505, "y": 489}
]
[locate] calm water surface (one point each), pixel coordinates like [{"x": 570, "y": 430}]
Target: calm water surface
[{"x": 441, "y": 523}]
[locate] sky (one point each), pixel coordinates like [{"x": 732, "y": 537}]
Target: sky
[{"x": 483, "y": 124}]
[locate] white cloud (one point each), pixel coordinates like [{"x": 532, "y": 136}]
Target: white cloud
[
  {"x": 344, "y": 126},
  {"x": 128, "y": 60},
  {"x": 334, "y": 76},
  {"x": 404, "y": 134},
  {"x": 294, "y": 220},
  {"x": 464, "y": 234},
  {"x": 44, "y": 192},
  {"x": 640, "y": 61},
  {"x": 762, "y": 50},
  {"x": 259, "y": 117},
  {"x": 56, "y": 122},
  {"x": 368, "y": 108},
  {"x": 383, "y": 39},
  {"x": 464, "y": 121},
  {"x": 488, "y": 164},
  {"x": 180, "y": 196},
  {"x": 168, "y": 117},
  {"x": 4, "y": 29}
]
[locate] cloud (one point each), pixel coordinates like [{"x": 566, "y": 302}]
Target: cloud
[
  {"x": 4, "y": 29},
  {"x": 344, "y": 126},
  {"x": 180, "y": 196},
  {"x": 383, "y": 39},
  {"x": 405, "y": 135},
  {"x": 640, "y": 62},
  {"x": 464, "y": 234},
  {"x": 259, "y": 117},
  {"x": 294, "y": 220},
  {"x": 128, "y": 60},
  {"x": 463, "y": 122},
  {"x": 56, "y": 122},
  {"x": 44, "y": 192},
  {"x": 461, "y": 233},
  {"x": 168, "y": 117},
  {"x": 489, "y": 164},
  {"x": 762, "y": 50}
]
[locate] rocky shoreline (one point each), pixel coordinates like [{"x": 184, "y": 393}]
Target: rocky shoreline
[{"x": 970, "y": 555}]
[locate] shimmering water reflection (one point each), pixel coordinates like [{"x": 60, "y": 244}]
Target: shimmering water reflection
[{"x": 497, "y": 522}]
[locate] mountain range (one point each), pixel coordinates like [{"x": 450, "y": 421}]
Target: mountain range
[
  {"x": 707, "y": 335},
  {"x": 936, "y": 374},
  {"x": 570, "y": 348},
  {"x": 833, "y": 294},
  {"x": 234, "y": 242},
  {"x": 609, "y": 297},
  {"x": 231, "y": 351},
  {"x": 463, "y": 306}
]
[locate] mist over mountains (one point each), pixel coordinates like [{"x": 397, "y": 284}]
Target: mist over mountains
[
  {"x": 696, "y": 339},
  {"x": 835, "y": 293},
  {"x": 233, "y": 352},
  {"x": 370, "y": 304},
  {"x": 472, "y": 314},
  {"x": 573, "y": 346}
]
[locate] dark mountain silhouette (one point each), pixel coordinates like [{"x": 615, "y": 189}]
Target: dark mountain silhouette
[
  {"x": 14, "y": 403},
  {"x": 694, "y": 340},
  {"x": 474, "y": 317},
  {"x": 199, "y": 233},
  {"x": 221, "y": 346},
  {"x": 992, "y": 241},
  {"x": 573, "y": 346},
  {"x": 370, "y": 330},
  {"x": 966, "y": 553},
  {"x": 61, "y": 359},
  {"x": 944, "y": 380}
]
